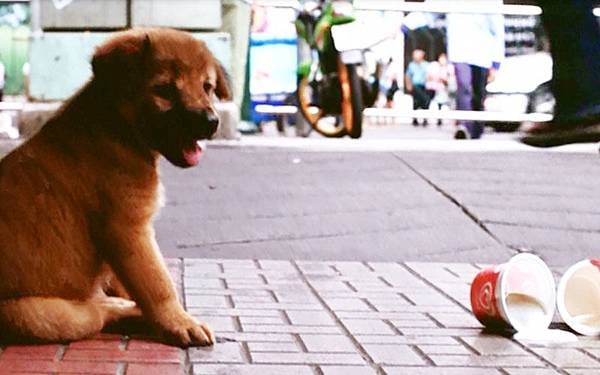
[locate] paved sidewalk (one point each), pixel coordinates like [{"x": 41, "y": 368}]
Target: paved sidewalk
[
  {"x": 397, "y": 313},
  {"x": 305, "y": 317}
]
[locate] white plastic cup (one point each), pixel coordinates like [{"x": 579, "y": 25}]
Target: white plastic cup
[
  {"x": 518, "y": 294},
  {"x": 578, "y": 297}
]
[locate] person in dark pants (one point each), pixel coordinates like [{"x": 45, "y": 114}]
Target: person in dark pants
[
  {"x": 476, "y": 48},
  {"x": 470, "y": 95},
  {"x": 574, "y": 36},
  {"x": 415, "y": 79}
]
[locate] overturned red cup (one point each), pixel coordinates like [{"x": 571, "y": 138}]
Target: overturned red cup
[{"x": 519, "y": 294}]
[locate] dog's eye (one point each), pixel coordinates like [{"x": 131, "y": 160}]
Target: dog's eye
[
  {"x": 165, "y": 90},
  {"x": 208, "y": 87}
]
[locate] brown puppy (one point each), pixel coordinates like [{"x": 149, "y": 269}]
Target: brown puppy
[{"x": 77, "y": 246}]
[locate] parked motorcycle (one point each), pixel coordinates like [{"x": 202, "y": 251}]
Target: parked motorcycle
[{"x": 334, "y": 82}]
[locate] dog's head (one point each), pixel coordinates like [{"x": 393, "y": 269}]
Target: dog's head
[{"x": 163, "y": 82}]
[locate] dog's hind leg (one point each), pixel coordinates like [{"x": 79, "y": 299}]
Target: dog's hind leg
[{"x": 48, "y": 319}]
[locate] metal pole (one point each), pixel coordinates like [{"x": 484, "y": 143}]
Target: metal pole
[{"x": 36, "y": 18}]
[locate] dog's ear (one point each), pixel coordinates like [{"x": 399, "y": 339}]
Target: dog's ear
[
  {"x": 222, "y": 90},
  {"x": 121, "y": 59}
]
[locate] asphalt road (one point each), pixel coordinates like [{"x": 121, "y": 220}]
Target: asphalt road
[
  {"x": 311, "y": 203},
  {"x": 398, "y": 194}
]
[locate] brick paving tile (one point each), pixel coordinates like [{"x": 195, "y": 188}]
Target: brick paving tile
[
  {"x": 394, "y": 303},
  {"x": 269, "y": 328},
  {"x": 218, "y": 323},
  {"x": 372, "y": 295},
  {"x": 271, "y": 319},
  {"x": 136, "y": 344},
  {"x": 367, "y": 327},
  {"x": 273, "y": 347},
  {"x": 486, "y": 361},
  {"x": 328, "y": 343},
  {"x": 347, "y": 370},
  {"x": 72, "y": 367},
  {"x": 347, "y": 304},
  {"x": 31, "y": 365},
  {"x": 329, "y": 284},
  {"x": 201, "y": 269},
  {"x": 200, "y": 283},
  {"x": 245, "y": 284},
  {"x": 241, "y": 299},
  {"x": 251, "y": 370},
  {"x": 246, "y": 277},
  {"x": 154, "y": 369},
  {"x": 229, "y": 352},
  {"x": 29, "y": 351},
  {"x": 444, "y": 349},
  {"x": 318, "y": 318},
  {"x": 406, "y": 340},
  {"x": 441, "y": 331},
  {"x": 194, "y": 300},
  {"x": 381, "y": 315},
  {"x": 420, "y": 323},
  {"x": 232, "y": 312},
  {"x": 406, "y": 308},
  {"x": 404, "y": 280},
  {"x": 239, "y": 288},
  {"x": 434, "y": 272},
  {"x": 309, "y": 358},
  {"x": 530, "y": 371},
  {"x": 259, "y": 337},
  {"x": 316, "y": 268},
  {"x": 595, "y": 352},
  {"x": 456, "y": 320},
  {"x": 296, "y": 296},
  {"x": 280, "y": 265},
  {"x": 150, "y": 356},
  {"x": 491, "y": 345},
  {"x": 428, "y": 299},
  {"x": 587, "y": 342},
  {"x": 563, "y": 357},
  {"x": 97, "y": 344},
  {"x": 279, "y": 306},
  {"x": 581, "y": 371},
  {"x": 228, "y": 292},
  {"x": 375, "y": 285},
  {"x": 274, "y": 320},
  {"x": 350, "y": 267},
  {"x": 393, "y": 354},
  {"x": 439, "y": 371}
]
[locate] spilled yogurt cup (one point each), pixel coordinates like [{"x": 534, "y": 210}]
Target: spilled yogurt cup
[
  {"x": 578, "y": 297},
  {"x": 520, "y": 295}
]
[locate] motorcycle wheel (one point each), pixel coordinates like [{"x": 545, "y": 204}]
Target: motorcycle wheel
[
  {"x": 352, "y": 100},
  {"x": 314, "y": 115}
]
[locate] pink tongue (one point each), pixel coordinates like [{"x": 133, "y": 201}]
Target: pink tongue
[{"x": 192, "y": 154}]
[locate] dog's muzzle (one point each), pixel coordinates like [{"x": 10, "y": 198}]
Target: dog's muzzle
[{"x": 204, "y": 122}]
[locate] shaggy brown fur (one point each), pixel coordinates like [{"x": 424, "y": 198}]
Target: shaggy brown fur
[{"x": 77, "y": 245}]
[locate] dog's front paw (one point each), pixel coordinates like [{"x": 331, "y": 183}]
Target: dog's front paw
[{"x": 186, "y": 331}]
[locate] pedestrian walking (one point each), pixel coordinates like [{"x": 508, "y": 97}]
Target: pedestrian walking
[
  {"x": 439, "y": 76},
  {"x": 415, "y": 79},
  {"x": 574, "y": 36},
  {"x": 475, "y": 45}
]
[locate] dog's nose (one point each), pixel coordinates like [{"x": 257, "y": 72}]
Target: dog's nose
[
  {"x": 212, "y": 121},
  {"x": 208, "y": 121}
]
